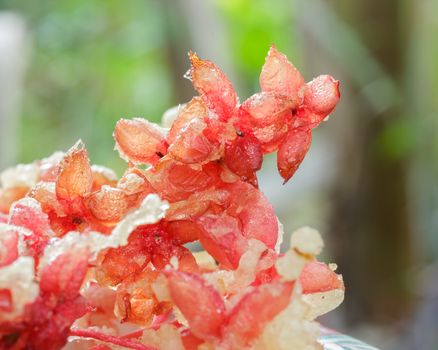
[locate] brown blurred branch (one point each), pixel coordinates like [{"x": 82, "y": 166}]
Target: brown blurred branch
[
  {"x": 370, "y": 224},
  {"x": 372, "y": 220}
]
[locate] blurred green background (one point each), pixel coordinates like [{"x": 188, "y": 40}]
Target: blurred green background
[{"x": 71, "y": 69}]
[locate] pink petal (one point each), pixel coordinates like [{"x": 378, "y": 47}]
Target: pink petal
[
  {"x": 191, "y": 145},
  {"x": 139, "y": 140},
  {"x": 320, "y": 99},
  {"x": 75, "y": 178},
  {"x": 254, "y": 311},
  {"x": 8, "y": 247},
  {"x": 194, "y": 109},
  {"x": 244, "y": 155},
  {"x": 317, "y": 277},
  {"x": 200, "y": 304},
  {"x": 280, "y": 76},
  {"x": 255, "y": 213},
  {"x": 222, "y": 238},
  {"x": 213, "y": 86},
  {"x": 292, "y": 151}
]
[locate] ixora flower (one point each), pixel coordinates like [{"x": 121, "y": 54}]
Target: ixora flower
[{"x": 90, "y": 261}]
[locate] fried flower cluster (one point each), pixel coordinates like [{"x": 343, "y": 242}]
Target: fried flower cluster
[{"x": 92, "y": 261}]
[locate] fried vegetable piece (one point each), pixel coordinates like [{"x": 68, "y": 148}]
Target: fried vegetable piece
[
  {"x": 139, "y": 141},
  {"x": 213, "y": 86},
  {"x": 204, "y": 310},
  {"x": 292, "y": 151}
]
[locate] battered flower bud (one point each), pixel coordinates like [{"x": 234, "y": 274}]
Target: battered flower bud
[{"x": 140, "y": 141}]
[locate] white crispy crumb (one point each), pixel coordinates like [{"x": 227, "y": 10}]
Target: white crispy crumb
[
  {"x": 205, "y": 260},
  {"x": 290, "y": 265},
  {"x": 321, "y": 303},
  {"x": 307, "y": 241},
  {"x": 290, "y": 329},
  {"x": 18, "y": 277},
  {"x": 280, "y": 236},
  {"x": 20, "y": 175}
]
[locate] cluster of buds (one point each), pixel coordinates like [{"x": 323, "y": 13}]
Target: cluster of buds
[{"x": 90, "y": 260}]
